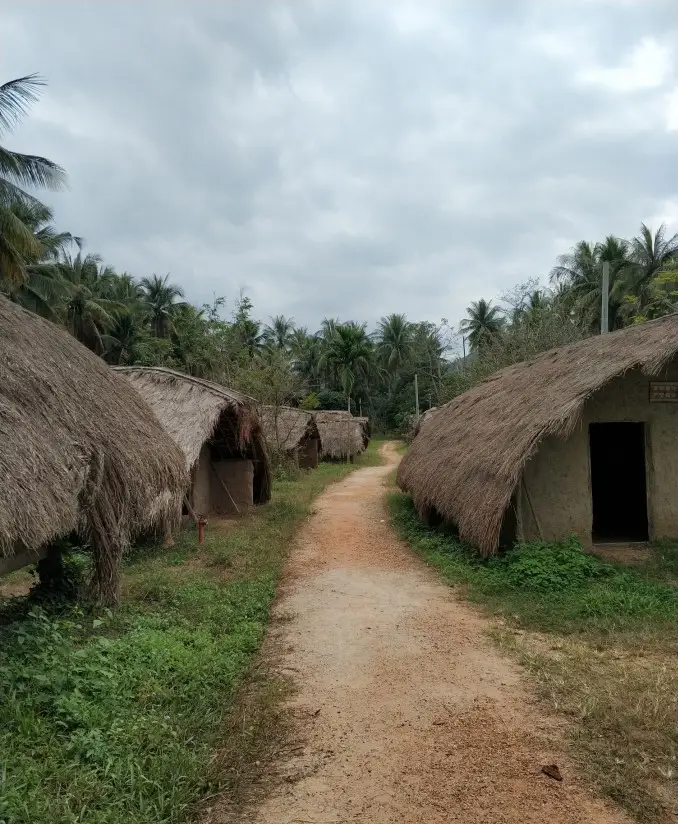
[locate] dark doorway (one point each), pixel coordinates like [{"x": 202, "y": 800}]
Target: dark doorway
[{"x": 618, "y": 481}]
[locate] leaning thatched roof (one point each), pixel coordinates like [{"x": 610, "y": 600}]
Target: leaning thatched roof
[
  {"x": 467, "y": 461},
  {"x": 341, "y": 435},
  {"x": 79, "y": 450},
  {"x": 286, "y": 428},
  {"x": 191, "y": 410}
]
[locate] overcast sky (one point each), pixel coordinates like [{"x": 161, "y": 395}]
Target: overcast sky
[{"x": 351, "y": 158}]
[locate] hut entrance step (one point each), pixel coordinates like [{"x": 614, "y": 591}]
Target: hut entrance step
[{"x": 618, "y": 482}]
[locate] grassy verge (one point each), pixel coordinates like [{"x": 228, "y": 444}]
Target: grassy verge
[
  {"x": 118, "y": 718},
  {"x": 601, "y": 642}
]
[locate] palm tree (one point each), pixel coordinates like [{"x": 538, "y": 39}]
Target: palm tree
[
  {"x": 41, "y": 288},
  {"x": 328, "y": 327},
  {"x": 85, "y": 310},
  {"x": 17, "y": 171},
  {"x": 483, "y": 324},
  {"x": 306, "y": 351},
  {"x": 278, "y": 334},
  {"x": 160, "y": 300},
  {"x": 122, "y": 339},
  {"x": 348, "y": 356},
  {"x": 580, "y": 274},
  {"x": 394, "y": 341},
  {"x": 651, "y": 256}
]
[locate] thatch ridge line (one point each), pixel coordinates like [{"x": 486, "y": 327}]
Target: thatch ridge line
[{"x": 234, "y": 395}]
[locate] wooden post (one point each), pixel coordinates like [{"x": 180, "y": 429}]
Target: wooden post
[
  {"x": 416, "y": 394},
  {"x": 604, "y": 309},
  {"x": 348, "y": 432}
]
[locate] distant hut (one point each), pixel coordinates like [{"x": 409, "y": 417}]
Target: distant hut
[
  {"x": 80, "y": 452},
  {"x": 366, "y": 428},
  {"x": 341, "y": 435},
  {"x": 292, "y": 432},
  {"x": 219, "y": 433},
  {"x": 581, "y": 440}
]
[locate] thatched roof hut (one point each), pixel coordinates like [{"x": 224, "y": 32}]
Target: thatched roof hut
[
  {"x": 79, "y": 450},
  {"x": 341, "y": 435},
  {"x": 468, "y": 463},
  {"x": 293, "y": 432},
  {"x": 217, "y": 429}
]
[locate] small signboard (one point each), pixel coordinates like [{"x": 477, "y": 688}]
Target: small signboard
[{"x": 663, "y": 391}]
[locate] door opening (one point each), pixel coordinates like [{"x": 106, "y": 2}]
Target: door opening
[{"x": 618, "y": 484}]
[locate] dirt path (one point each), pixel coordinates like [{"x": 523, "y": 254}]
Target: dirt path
[{"x": 405, "y": 712}]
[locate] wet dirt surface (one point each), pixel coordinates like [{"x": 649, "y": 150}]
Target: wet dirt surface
[{"x": 403, "y": 710}]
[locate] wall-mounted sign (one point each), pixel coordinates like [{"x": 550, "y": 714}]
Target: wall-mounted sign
[{"x": 663, "y": 391}]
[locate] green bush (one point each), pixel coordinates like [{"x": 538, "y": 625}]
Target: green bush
[{"x": 550, "y": 566}]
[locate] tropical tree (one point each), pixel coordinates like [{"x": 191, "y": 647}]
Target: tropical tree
[
  {"x": 247, "y": 331},
  {"x": 17, "y": 173},
  {"x": 348, "y": 356},
  {"x": 394, "y": 342},
  {"x": 483, "y": 323},
  {"x": 161, "y": 301},
  {"x": 653, "y": 264},
  {"x": 123, "y": 339},
  {"x": 306, "y": 350},
  {"x": 85, "y": 310},
  {"x": 278, "y": 334},
  {"x": 580, "y": 274},
  {"x": 41, "y": 287}
]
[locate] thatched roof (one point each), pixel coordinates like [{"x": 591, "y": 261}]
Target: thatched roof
[
  {"x": 286, "y": 428},
  {"x": 366, "y": 429},
  {"x": 341, "y": 435},
  {"x": 466, "y": 462},
  {"x": 424, "y": 419},
  {"x": 193, "y": 411},
  {"x": 79, "y": 450}
]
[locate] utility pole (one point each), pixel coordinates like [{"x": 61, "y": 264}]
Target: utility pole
[
  {"x": 463, "y": 348},
  {"x": 416, "y": 393},
  {"x": 604, "y": 309}
]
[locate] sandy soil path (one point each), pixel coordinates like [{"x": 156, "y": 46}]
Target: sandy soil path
[{"x": 406, "y": 712}]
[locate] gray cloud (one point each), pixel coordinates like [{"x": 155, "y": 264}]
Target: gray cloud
[{"x": 350, "y": 159}]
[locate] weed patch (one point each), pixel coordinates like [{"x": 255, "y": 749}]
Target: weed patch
[{"x": 117, "y": 718}]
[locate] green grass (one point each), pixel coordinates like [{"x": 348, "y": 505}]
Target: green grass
[
  {"x": 600, "y": 640},
  {"x": 118, "y": 718},
  {"x": 549, "y": 587}
]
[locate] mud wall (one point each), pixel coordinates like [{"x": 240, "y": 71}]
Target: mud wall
[
  {"x": 556, "y": 486},
  {"x": 308, "y": 453}
]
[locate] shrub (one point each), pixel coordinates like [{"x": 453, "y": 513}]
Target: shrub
[{"x": 550, "y": 566}]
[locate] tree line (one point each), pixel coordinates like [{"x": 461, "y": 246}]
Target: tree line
[{"x": 147, "y": 320}]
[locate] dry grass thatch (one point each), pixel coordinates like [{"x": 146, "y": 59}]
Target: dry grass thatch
[
  {"x": 79, "y": 450},
  {"x": 423, "y": 421},
  {"x": 467, "y": 460},
  {"x": 366, "y": 430},
  {"x": 286, "y": 429},
  {"x": 341, "y": 435},
  {"x": 194, "y": 411}
]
